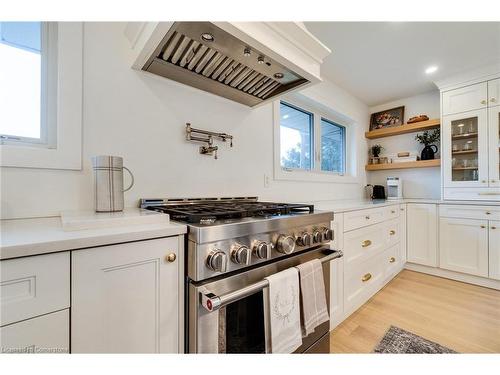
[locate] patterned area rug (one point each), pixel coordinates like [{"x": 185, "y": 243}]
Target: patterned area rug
[{"x": 399, "y": 341}]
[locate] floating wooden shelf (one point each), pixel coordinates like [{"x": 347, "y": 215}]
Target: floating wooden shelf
[
  {"x": 405, "y": 165},
  {"x": 464, "y": 152},
  {"x": 403, "y": 129},
  {"x": 464, "y": 168},
  {"x": 464, "y": 136}
]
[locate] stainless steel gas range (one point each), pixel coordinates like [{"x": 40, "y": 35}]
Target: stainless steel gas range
[{"x": 232, "y": 245}]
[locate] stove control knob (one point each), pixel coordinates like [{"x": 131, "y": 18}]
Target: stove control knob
[
  {"x": 240, "y": 254},
  {"x": 262, "y": 249},
  {"x": 305, "y": 239},
  {"x": 317, "y": 236},
  {"x": 328, "y": 234},
  {"x": 285, "y": 244},
  {"x": 217, "y": 261}
]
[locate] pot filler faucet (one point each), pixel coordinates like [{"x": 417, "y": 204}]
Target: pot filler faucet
[{"x": 209, "y": 149}]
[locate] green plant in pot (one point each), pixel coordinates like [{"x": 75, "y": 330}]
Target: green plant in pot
[
  {"x": 428, "y": 139},
  {"x": 376, "y": 150}
]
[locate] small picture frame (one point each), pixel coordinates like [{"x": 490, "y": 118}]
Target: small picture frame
[{"x": 388, "y": 118}]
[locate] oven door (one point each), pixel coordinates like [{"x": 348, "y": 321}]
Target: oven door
[{"x": 230, "y": 315}]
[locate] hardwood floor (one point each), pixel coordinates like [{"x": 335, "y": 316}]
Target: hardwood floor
[{"x": 460, "y": 316}]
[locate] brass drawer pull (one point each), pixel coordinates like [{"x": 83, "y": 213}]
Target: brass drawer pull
[
  {"x": 483, "y": 101},
  {"x": 393, "y": 211},
  {"x": 483, "y": 226},
  {"x": 392, "y": 260},
  {"x": 366, "y": 277},
  {"x": 367, "y": 217},
  {"x": 493, "y": 227},
  {"x": 366, "y": 243},
  {"x": 171, "y": 257},
  {"x": 392, "y": 232},
  {"x": 488, "y": 213},
  {"x": 401, "y": 209}
]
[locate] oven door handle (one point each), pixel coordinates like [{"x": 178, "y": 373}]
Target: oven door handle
[{"x": 212, "y": 302}]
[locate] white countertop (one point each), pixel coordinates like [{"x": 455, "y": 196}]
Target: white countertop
[
  {"x": 23, "y": 237},
  {"x": 360, "y": 204}
]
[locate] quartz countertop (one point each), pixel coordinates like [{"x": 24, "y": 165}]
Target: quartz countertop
[
  {"x": 24, "y": 237},
  {"x": 360, "y": 204}
]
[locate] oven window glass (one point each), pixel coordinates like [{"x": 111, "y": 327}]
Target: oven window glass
[{"x": 244, "y": 328}]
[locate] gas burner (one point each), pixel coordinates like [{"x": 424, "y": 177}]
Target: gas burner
[{"x": 207, "y": 212}]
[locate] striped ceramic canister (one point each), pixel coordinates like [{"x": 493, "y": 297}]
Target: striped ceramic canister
[{"x": 108, "y": 183}]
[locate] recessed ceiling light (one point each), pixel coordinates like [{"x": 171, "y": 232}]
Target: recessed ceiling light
[{"x": 431, "y": 69}]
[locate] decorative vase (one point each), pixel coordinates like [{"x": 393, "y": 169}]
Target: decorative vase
[{"x": 428, "y": 152}]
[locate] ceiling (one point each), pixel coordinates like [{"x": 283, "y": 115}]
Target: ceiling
[{"x": 382, "y": 61}]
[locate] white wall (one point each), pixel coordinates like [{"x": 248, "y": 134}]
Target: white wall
[
  {"x": 417, "y": 183},
  {"x": 141, "y": 117}
]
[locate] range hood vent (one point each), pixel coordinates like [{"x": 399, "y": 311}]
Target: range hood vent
[{"x": 202, "y": 55}]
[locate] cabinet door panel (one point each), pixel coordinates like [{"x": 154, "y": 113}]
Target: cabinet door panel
[
  {"x": 494, "y": 249},
  {"x": 125, "y": 298},
  {"x": 44, "y": 334},
  {"x": 465, "y": 99},
  {"x": 465, "y": 149},
  {"x": 494, "y": 92},
  {"x": 464, "y": 245},
  {"x": 422, "y": 234},
  {"x": 494, "y": 141}
]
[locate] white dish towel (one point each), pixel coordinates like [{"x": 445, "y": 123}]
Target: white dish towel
[
  {"x": 313, "y": 297},
  {"x": 284, "y": 311}
]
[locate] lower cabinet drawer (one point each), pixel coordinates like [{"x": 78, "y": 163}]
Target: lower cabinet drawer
[
  {"x": 33, "y": 286},
  {"x": 391, "y": 261},
  {"x": 392, "y": 232},
  {"x": 364, "y": 243},
  {"x": 361, "y": 282},
  {"x": 44, "y": 334},
  {"x": 361, "y": 218}
]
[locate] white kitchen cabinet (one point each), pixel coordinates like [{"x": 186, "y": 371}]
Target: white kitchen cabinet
[
  {"x": 465, "y": 149},
  {"x": 494, "y": 92},
  {"x": 33, "y": 286},
  {"x": 494, "y": 250},
  {"x": 464, "y": 99},
  {"x": 493, "y": 147},
  {"x": 44, "y": 334},
  {"x": 464, "y": 245},
  {"x": 402, "y": 221},
  {"x": 125, "y": 298},
  {"x": 337, "y": 273},
  {"x": 422, "y": 234}
]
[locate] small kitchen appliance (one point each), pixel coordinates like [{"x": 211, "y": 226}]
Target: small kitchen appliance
[
  {"x": 232, "y": 246},
  {"x": 394, "y": 188},
  {"x": 375, "y": 192},
  {"x": 108, "y": 183}
]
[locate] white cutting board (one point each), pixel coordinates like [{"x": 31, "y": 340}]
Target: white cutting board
[{"x": 82, "y": 220}]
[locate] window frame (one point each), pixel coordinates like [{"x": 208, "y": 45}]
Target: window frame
[
  {"x": 61, "y": 106},
  {"x": 344, "y": 149},
  {"x": 315, "y": 174}
]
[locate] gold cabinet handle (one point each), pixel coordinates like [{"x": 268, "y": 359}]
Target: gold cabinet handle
[
  {"x": 392, "y": 260},
  {"x": 493, "y": 227},
  {"x": 392, "y": 232},
  {"x": 366, "y": 277},
  {"x": 492, "y": 180},
  {"x": 171, "y": 257},
  {"x": 483, "y": 226},
  {"x": 401, "y": 209},
  {"x": 488, "y": 213},
  {"x": 483, "y": 181},
  {"x": 493, "y": 100},
  {"x": 393, "y": 211},
  {"x": 483, "y": 101},
  {"x": 367, "y": 217},
  {"x": 366, "y": 243}
]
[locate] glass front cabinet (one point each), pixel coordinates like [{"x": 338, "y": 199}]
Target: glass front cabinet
[{"x": 470, "y": 143}]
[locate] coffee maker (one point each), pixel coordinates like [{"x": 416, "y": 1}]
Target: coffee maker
[{"x": 394, "y": 188}]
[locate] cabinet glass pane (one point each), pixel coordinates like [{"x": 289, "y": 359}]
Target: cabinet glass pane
[{"x": 464, "y": 149}]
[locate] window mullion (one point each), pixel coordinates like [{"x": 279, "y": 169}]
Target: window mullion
[{"x": 317, "y": 142}]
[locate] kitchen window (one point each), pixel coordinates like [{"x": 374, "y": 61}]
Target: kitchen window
[
  {"x": 311, "y": 144},
  {"x": 41, "y": 94},
  {"x": 26, "y": 89}
]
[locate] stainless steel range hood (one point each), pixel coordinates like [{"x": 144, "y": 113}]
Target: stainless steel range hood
[{"x": 213, "y": 59}]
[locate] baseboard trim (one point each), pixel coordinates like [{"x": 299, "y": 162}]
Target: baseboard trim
[{"x": 457, "y": 276}]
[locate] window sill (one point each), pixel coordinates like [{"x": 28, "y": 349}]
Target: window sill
[{"x": 313, "y": 176}]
